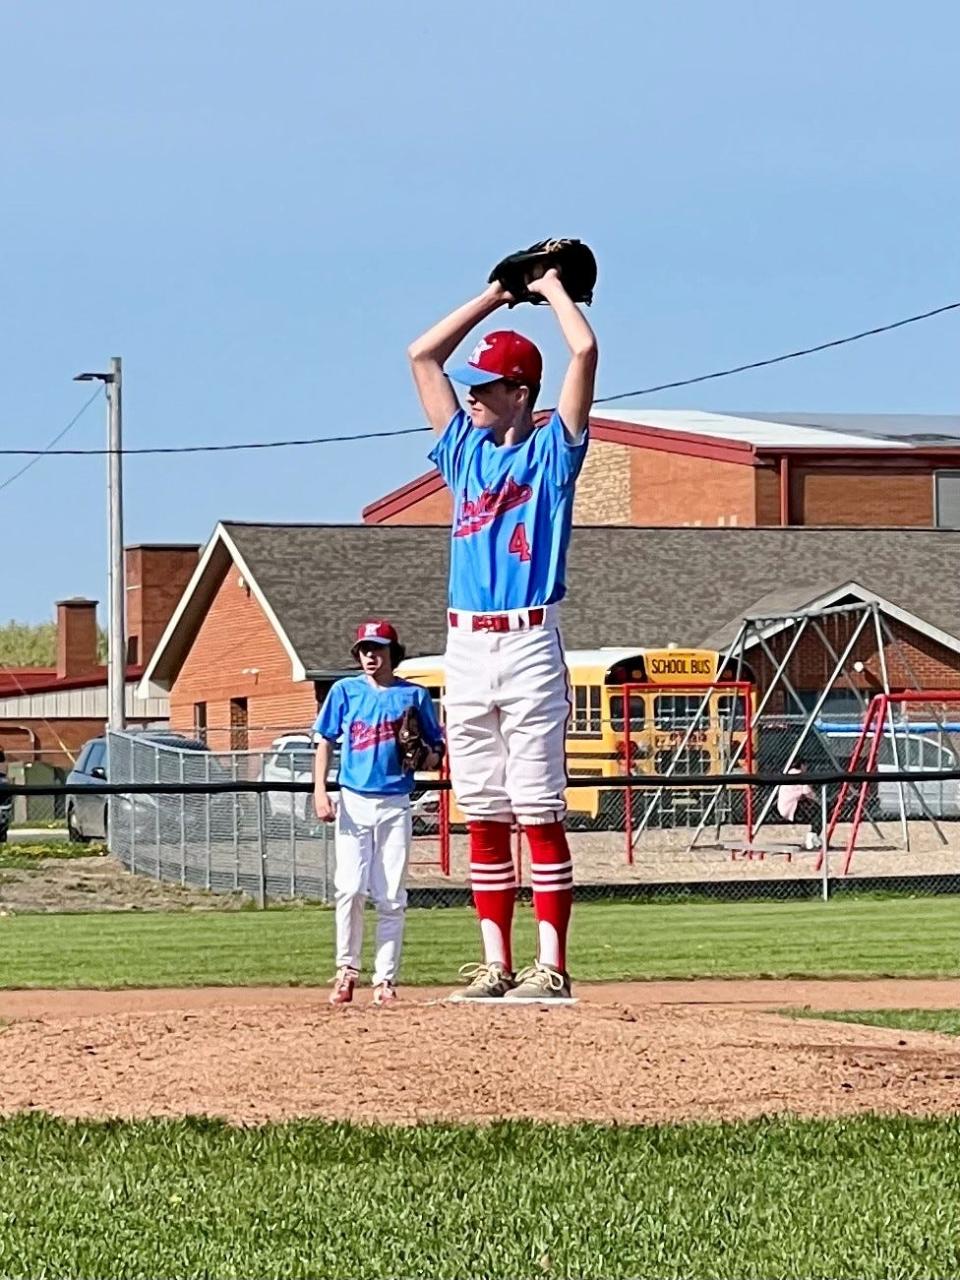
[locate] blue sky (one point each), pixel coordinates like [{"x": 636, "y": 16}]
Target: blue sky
[{"x": 257, "y": 206}]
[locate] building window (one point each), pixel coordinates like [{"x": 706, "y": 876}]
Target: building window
[
  {"x": 200, "y": 722},
  {"x": 946, "y": 499},
  {"x": 239, "y": 737}
]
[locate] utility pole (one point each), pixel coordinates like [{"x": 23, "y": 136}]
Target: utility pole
[{"x": 116, "y": 630}]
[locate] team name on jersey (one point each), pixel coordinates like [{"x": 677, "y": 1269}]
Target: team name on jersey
[
  {"x": 476, "y": 513},
  {"x": 364, "y": 736}
]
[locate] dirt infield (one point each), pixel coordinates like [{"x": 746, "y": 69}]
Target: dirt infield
[{"x": 641, "y": 1052}]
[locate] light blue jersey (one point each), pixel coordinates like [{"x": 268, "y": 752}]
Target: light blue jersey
[
  {"x": 363, "y": 717},
  {"x": 513, "y": 510}
]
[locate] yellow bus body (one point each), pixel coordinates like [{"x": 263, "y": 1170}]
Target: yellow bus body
[{"x": 598, "y": 742}]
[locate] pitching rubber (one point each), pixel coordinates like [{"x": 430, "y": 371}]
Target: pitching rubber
[{"x": 545, "y": 1004}]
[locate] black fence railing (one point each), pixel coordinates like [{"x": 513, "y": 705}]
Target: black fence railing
[{"x": 649, "y": 781}]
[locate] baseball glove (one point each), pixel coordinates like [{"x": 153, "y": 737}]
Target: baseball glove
[
  {"x": 413, "y": 750},
  {"x": 572, "y": 258}
]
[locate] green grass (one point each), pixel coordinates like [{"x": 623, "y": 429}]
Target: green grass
[
  {"x": 861, "y": 1198},
  {"x": 943, "y": 1020},
  {"x": 29, "y": 856},
  {"x": 850, "y": 937}
]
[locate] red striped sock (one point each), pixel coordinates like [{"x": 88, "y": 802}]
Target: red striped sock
[
  {"x": 494, "y": 882},
  {"x": 551, "y": 872}
]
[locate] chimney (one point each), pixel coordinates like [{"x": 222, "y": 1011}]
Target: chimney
[
  {"x": 156, "y": 579},
  {"x": 76, "y": 637}
]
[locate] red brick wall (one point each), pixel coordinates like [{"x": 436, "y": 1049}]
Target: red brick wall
[
  {"x": 234, "y": 635},
  {"x": 767, "y": 481},
  {"x": 55, "y": 742},
  {"x": 912, "y": 661},
  {"x": 677, "y": 489},
  {"x": 76, "y": 637},
  {"x": 842, "y": 496},
  {"x": 156, "y": 579}
]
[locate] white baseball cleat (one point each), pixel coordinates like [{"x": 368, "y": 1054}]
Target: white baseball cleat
[
  {"x": 343, "y": 985},
  {"x": 384, "y": 993},
  {"x": 541, "y": 982},
  {"x": 487, "y": 982}
]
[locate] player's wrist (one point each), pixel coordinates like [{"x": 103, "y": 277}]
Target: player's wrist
[{"x": 495, "y": 295}]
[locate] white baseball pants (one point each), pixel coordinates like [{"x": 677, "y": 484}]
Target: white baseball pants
[
  {"x": 372, "y": 846},
  {"x": 507, "y": 703}
]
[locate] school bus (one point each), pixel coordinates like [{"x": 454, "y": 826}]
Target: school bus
[{"x": 667, "y": 714}]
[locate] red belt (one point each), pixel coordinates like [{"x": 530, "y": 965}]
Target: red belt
[{"x": 500, "y": 621}]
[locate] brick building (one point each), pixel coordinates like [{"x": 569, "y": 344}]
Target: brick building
[
  {"x": 48, "y": 713},
  {"x": 266, "y": 623},
  {"x": 677, "y": 467}
]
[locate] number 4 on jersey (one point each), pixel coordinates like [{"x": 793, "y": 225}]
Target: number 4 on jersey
[{"x": 518, "y": 544}]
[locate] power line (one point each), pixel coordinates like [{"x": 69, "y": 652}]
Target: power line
[
  {"x": 410, "y": 431},
  {"x": 47, "y": 451},
  {"x": 790, "y": 355},
  {"x": 219, "y": 448}
]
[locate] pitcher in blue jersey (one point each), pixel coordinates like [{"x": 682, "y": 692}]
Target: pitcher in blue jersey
[{"x": 507, "y": 694}]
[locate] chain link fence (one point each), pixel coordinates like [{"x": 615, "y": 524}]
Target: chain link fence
[
  {"x": 709, "y": 840},
  {"x": 266, "y": 844}
]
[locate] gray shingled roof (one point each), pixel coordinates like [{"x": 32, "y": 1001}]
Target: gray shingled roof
[{"x": 625, "y": 585}]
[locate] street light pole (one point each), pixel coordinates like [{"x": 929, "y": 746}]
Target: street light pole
[
  {"x": 117, "y": 651},
  {"x": 116, "y": 631}
]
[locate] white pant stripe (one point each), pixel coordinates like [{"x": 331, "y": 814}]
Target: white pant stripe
[
  {"x": 551, "y": 888},
  {"x": 491, "y": 866},
  {"x": 553, "y": 866}
]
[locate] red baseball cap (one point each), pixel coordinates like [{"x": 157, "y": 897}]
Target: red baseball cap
[
  {"x": 503, "y": 354},
  {"x": 375, "y": 633}
]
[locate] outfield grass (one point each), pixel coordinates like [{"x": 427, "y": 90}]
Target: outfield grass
[
  {"x": 859, "y": 1198},
  {"x": 943, "y": 1020},
  {"x": 892, "y": 937}
]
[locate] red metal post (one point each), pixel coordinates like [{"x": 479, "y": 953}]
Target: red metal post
[
  {"x": 628, "y": 766},
  {"x": 443, "y": 811},
  {"x": 881, "y": 700},
  {"x": 851, "y": 766},
  {"x": 747, "y": 690}
]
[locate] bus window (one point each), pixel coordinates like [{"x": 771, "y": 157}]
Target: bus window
[
  {"x": 677, "y": 711},
  {"x": 586, "y": 716},
  {"x": 730, "y": 710},
  {"x": 638, "y": 713},
  {"x": 690, "y": 760}
]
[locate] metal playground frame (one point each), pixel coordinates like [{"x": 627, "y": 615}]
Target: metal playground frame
[{"x": 863, "y": 622}]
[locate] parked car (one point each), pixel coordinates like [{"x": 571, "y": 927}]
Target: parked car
[
  {"x": 6, "y": 806},
  {"x": 290, "y": 760},
  {"x": 88, "y": 815}
]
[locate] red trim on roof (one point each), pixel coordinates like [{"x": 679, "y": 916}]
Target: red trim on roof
[
  {"x": 29, "y": 680},
  {"x": 633, "y": 435},
  {"x": 399, "y": 499},
  {"x": 935, "y": 453},
  {"x": 640, "y": 436}
]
